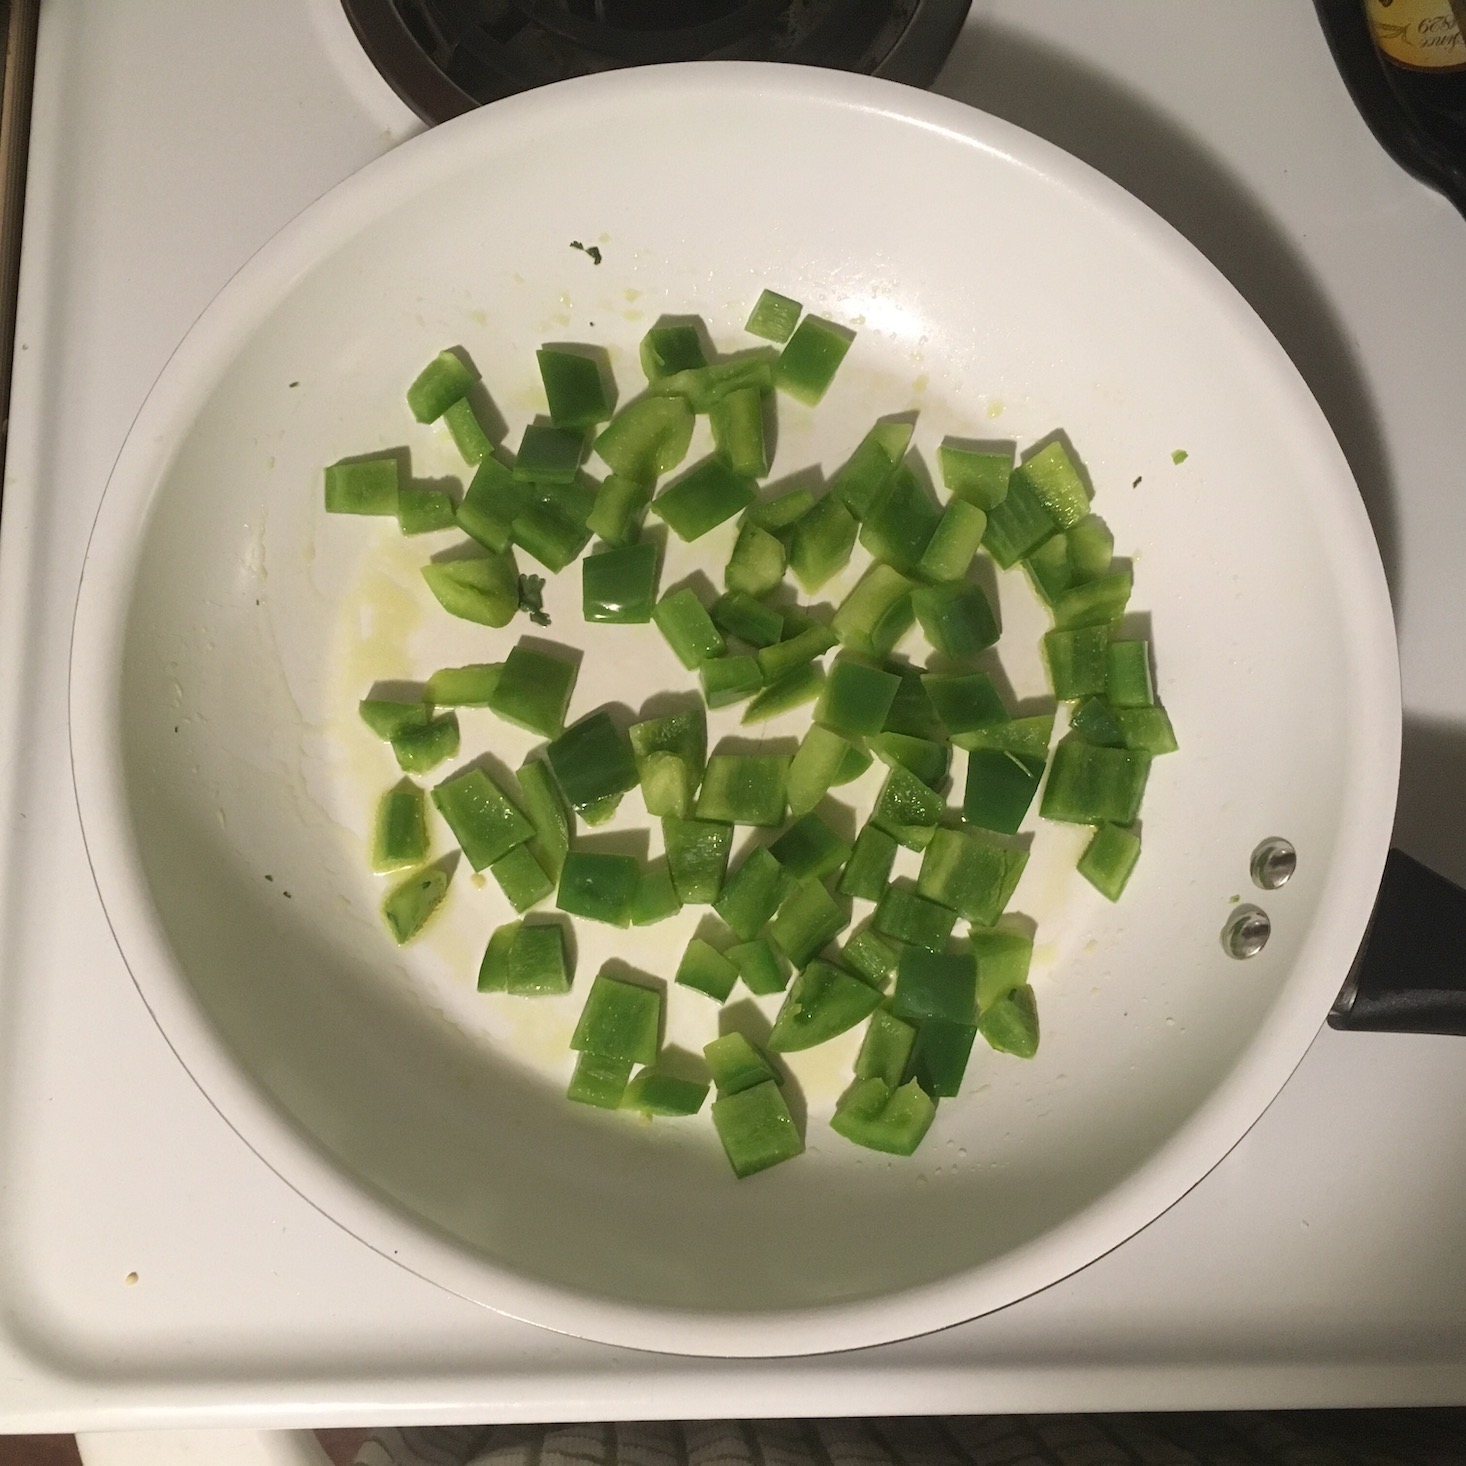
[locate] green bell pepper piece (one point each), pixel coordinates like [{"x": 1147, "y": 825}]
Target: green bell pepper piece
[
  {"x": 810, "y": 850},
  {"x": 656, "y": 896},
  {"x": 703, "y": 498},
  {"x": 860, "y": 482},
  {"x": 490, "y": 504},
  {"x": 463, "y": 687},
  {"x": 871, "y": 957},
  {"x": 400, "y": 830},
  {"x": 484, "y": 589},
  {"x": 794, "y": 689},
  {"x": 924, "y": 757},
  {"x": 521, "y": 878},
  {"x": 1018, "y": 524},
  {"x": 387, "y": 717},
  {"x": 1000, "y": 788},
  {"x": 964, "y": 701},
  {"x": 620, "y": 1020},
  {"x": 1096, "y": 602},
  {"x": 705, "y": 968},
  {"x": 939, "y": 1057},
  {"x": 688, "y": 628},
  {"x": 647, "y": 438},
  {"x": 954, "y": 542},
  {"x": 1011, "y": 1024},
  {"x": 619, "y": 585},
  {"x": 537, "y": 966},
  {"x": 757, "y": 563},
  {"x": 885, "y": 1049},
  {"x": 574, "y": 387},
  {"x": 362, "y": 486},
  {"x": 548, "y": 814},
  {"x": 956, "y": 617},
  {"x": 1090, "y": 785},
  {"x": 485, "y": 823},
  {"x": 898, "y": 527},
  {"x": 762, "y": 969},
  {"x": 749, "y": 620},
  {"x": 891, "y": 1120},
  {"x": 413, "y": 901},
  {"x": 726, "y": 680},
  {"x": 671, "y": 348},
  {"x": 619, "y": 510},
  {"x": 777, "y": 661},
  {"x": 441, "y": 383},
  {"x": 744, "y": 789},
  {"x": 737, "y": 421},
  {"x": 1128, "y": 681},
  {"x": 756, "y": 1128},
  {"x": 1055, "y": 482},
  {"x": 1003, "y": 959},
  {"x": 1078, "y": 661},
  {"x": 820, "y": 543},
  {"x": 1109, "y": 858},
  {"x": 599, "y": 886},
  {"x": 773, "y": 317},
  {"x": 697, "y": 852},
  {"x": 857, "y": 697},
  {"x": 421, "y": 749},
  {"x": 933, "y": 984},
  {"x": 737, "y": 1064},
  {"x": 868, "y": 871},
  {"x": 534, "y": 690},
  {"x": 810, "y": 359},
  {"x": 592, "y": 760},
  {"x": 467, "y": 431},
  {"x": 817, "y": 767},
  {"x": 549, "y": 454},
  {"x": 905, "y": 916},
  {"x": 780, "y": 512},
  {"x": 493, "y": 972},
  {"x": 598, "y": 1080},
  {"x": 823, "y": 1002},
  {"x": 867, "y": 615},
  {"x": 665, "y": 1095},
  {"x": 980, "y": 476},
  {"x": 1028, "y": 737},
  {"x": 806, "y": 922},
  {"x": 970, "y": 873},
  {"x": 752, "y": 893},
  {"x": 907, "y": 809},
  {"x": 422, "y": 511}
]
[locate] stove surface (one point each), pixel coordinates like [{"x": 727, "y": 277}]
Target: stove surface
[{"x": 154, "y": 1272}]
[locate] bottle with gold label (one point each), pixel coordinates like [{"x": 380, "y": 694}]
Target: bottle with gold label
[{"x": 1404, "y": 62}]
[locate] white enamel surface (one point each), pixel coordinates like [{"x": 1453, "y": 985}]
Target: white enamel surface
[{"x": 219, "y": 602}]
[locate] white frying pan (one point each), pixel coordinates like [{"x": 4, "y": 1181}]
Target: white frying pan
[{"x": 226, "y": 628}]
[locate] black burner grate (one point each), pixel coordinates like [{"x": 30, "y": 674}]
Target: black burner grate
[{"x": 444, "y": 57}]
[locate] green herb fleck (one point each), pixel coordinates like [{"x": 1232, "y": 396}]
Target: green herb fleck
[
  {"x": 1135, "y": 482},
  {"x": 1233, "y": 900},
  {"x": 295, "y": 384},
  {"x": 532, "y": 598},
  {"x": 593, "y": 250},
  {"x": 1180, "y": 455}
]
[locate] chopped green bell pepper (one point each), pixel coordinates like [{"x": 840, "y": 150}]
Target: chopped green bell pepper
[
  {"x": 534, "y": 690},
  {"x": 441, "y": 383},
  {"x": 592, "y": 760},
  {"x": 970, "y": 873},
  {"x": 756, "y": 1128},
  {"x": 697, "y": 852},
  {"x": 744, "y": 788},
  {"x": 823, "y": 1002},
  {"x": 483, "y": 820},
  {"x": 400, "y": 831},
  {"x": 599, "y": 886},
  {"x": 702, "y": 499},
  {"x": 362, "y": 486},
  {"x": 874, "y": 1115},
  {"x": 483, "y": 589},
  {"x": 413, "y": 901}
]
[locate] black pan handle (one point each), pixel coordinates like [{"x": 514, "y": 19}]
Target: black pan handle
[{"x": 1410, "y": 974}]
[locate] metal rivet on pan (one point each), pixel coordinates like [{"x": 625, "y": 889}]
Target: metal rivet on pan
[
  {"x": 1273, "y": 862},
  {"x": 1246, "y": 932}
]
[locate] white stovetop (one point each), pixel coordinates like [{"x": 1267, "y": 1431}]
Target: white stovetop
[{"x": 1318, "y": 1264}]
